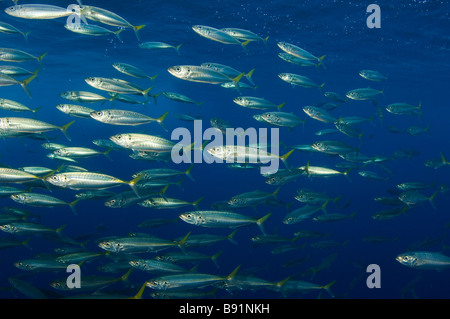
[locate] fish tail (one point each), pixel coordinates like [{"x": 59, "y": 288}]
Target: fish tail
[
  {"x": 106, "y": 153},
  {"x": 265, "y": 40},
  {"x": 163, "y": 192},
  {"x": 244, "y": 46},
  {"x": 327, "y": 288},
  {"x": 282, "y": 282},
  {"x": 177, "y": 48},
  {"x": 444, "y": 161},
  {"x": 36, "y": 109},
  {"x": 146, "y": 92},
  {"x": 25, "y": 243},
  {"x": 24, "y": 84},
  {"x": 230, "y": 237},
  {"x": 39, "y": 58},
  {"x": 72, "y": 205},
  {"x": 214, "y": 258},
  {"x": 161, "y": 119},
  {"x": 233, "y": 273},
  {"x": 285, "y": 157},
  {"x": 156, "y": 95},
  {"x": 153, "y": 78},
  {"x": 136, "y": 31},
  {"x": 25, "y": 35},
  {"x": 117, "y": 34},
  {"x": 335, "y": 200},
  {"x": 139, "y": 294},
  {"x": 64, "y": 129},
  {"x": 60, "y": 229},
  {"x": 260, "y": 222},
  {"x": 195, "y": 204},
  {"x": 182, "y": 242},
  {"x": 133, "y": 183},
  {"x": 281, "y": 105},
  {"x": 249, "y": 76},
  {"x": 324, "y": 206},
  {"x": 431, "y": 199},
  {"x": 126, "y": 275},
  {"x": 320, "y": 60},
  {"x": 237, "y": 79},
  {"x": 274, "y": 194}
]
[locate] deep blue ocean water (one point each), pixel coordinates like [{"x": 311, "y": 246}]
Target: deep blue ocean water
[{"x": 411, "y": 48}]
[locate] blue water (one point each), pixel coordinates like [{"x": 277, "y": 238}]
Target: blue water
[{"x": 411, "y": 48}]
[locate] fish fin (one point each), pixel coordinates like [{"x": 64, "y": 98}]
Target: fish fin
[
  {"x": 327, "y": 288},
  {"x": 133, "y": 183},
  {"x": 285, "y": 157},
  {"x": 72, "y": 205},
  {"x": 139, "y": 294},
  {"x": 214, "y": 258},
  {"x": 249, "y": 76},
  {"x": 265, "y": 40},
  {"x": 117, "y": 34},
  {"x": 136, "y": 29},
  {"x": 431, "y": 199},
  {"x": 161, "y": 119},
  {"x": 177, "y": 48},
  {"x": 24, "y": 84},
  {"x": 230, "y": 237},
  {"x": 244, "y": 46},
  {"x": 195, "y": 204},
  {"x": 281, "y": 105},
  {"x": 64, "y": 129},
  {"x": 233, "y": 273},
  {"x": 39, "y": 58},
  {"x": 106, "y": 153},
  {"x": 260, "y": 222},
  {"x": 25, "y": 35}
]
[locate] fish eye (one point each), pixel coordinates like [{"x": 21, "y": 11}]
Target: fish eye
[{"x": 177, "y": 69}]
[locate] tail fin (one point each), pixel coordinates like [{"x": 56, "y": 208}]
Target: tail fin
[
  {"x": 136, "y": 29},
  {"x": 260, "y": 222},
  {"x": 139, "y": 294},
  {"x": 431, "y": 199},
  {"x": 244, "y": 46},
  {"x": 195, "y": 204},
  {"x": 230, "y": 237},
  {"x": 285, "y": 157},
  {"x": 161, "y": 119},
  {"x": 72, "y": 205},
  {"x": 24, "y": 84},
  {"x": 214, "y": 258},
  {"x": 265, "y": 40},
  {"x": 25, "y": 35},
  {"x": 249, "y": 76},
  {"x": 64, "y": 129},
  {"x": 39, "y": 58},
  {"x": 188, "y": 172},
  {"x": 327, "y": 288},
  {"x": 117, "y": 34},
  {"x": 233, "y": 273},
  {"x": 177, "y": 48},
  {"x": 281, "y": 105}
]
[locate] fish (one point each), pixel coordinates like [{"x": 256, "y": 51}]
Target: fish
[
  {"x": 110, "y": 18},
  {"x": 133, "y": 71},
  {"x": 27, "y": 289},
  {"x": 187, "y": 281},
  {"x": 293, "y": 286},
  {"x": 39, "y": 265},
  {"x": 244, "y": 35},
  {"x": 6, "y": 80},
  {"x": 332, "y": 217},
  {"x": 125, "y": 117},
  {"x": 228, "y": 71},
  {"x": 40, "y": 11},
  {"x": 424, "y": 260},
  {"x": 15, "y": 55},
  {"x": 89, "y": 181},
  {"x": 252, "y": 198},
  {"x": 75, "y": 110},
  {"x": 89, "y": 282},
  {"x": 85, "y": 97},
  {"x": 42, "y": 200},
  {"x": 300, "y": 214},
  {"x": 256, "y": 103},
  {"x": 284, "y": 119},
  {"x": 139, "y": 244},
  {"x": 333, "y": 147},
  {"x": 436, "y": 163},
  {"x": 79, "y": 152},
  {"x": 322, "y": 171},
  {"x": 117, "y": 86},
  {"x": 222, "y": 219},
  {"x": 218, "y": 35},
  {"x": 298, "y": 61},
  {"x": 26, "y": 125},
  {"x": 413, "y": 198},
  {"x": 160, "y": 46},
  {"x": 10, "y": 29},
  {"x": 180, "y": 98},
  {"x": 372, "y": 75},
  {"x": 158, "y": 266},
  {"x": 319, "y": 114},
  {"x": 415, "y": 130},
  {"x": 364, "y": 94},
  {"x": 299, "y": 80},
  {"x": 91, "y": 29},
  {"x": 404, "y": 109},
  {"x": 244, "y": 154},
  {"x": 299, "y": 52},
  {"x": 16, "y": 71},
  {"x": 10, "y": 105},
  {"x": 200, "y": 74},
  {"x": 144, "y": 142},
  {"x": 168, "y": 203}
]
